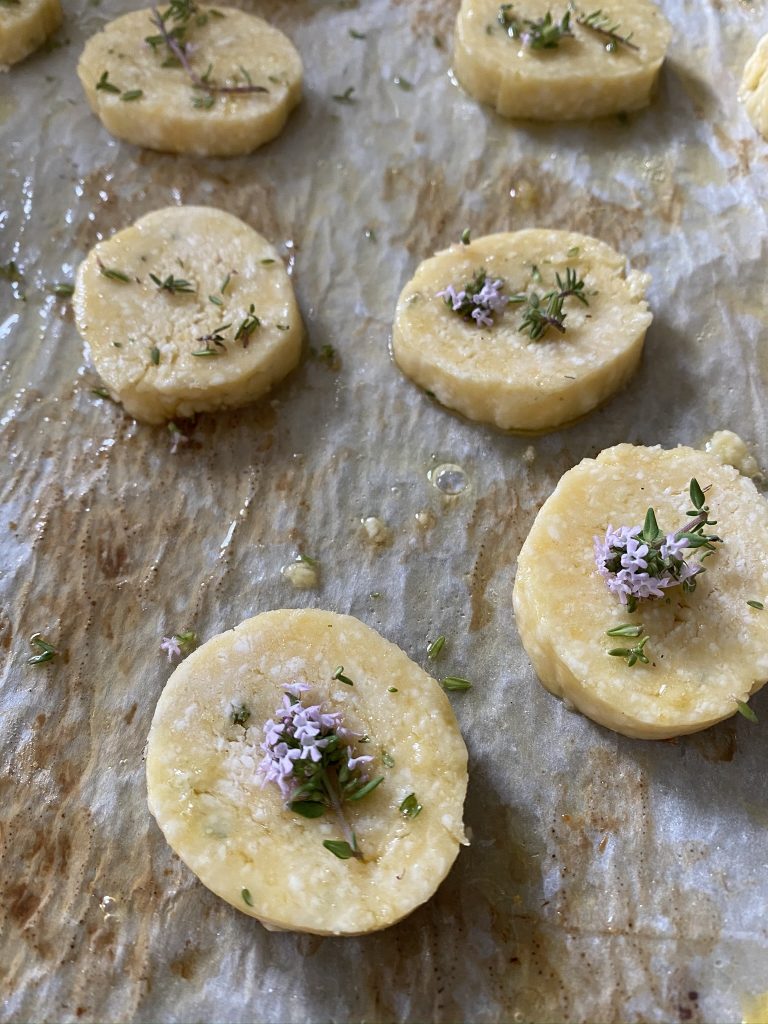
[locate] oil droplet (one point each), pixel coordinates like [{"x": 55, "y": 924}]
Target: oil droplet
[
  {"x": 448, "y": 478},
  {"x": 108, "y": 907},
  {"x": 301, "y": 575}
]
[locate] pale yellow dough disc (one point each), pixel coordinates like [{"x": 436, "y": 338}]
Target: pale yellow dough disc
[
  {"x": 580, "y": 79},
  {"x": 498, "y": 374},
  {"x": 238, "y": 836},
  {"x": 25, "y": 26},
  {"x": 707, "y": 649},
  {"x": 754, "y": 87},
  {"x": 143, "y": 339},
  {"x": 171, "y": 115}
]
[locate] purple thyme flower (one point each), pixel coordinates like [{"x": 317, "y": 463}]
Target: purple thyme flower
[
  {"x": 171, "y": 646},
  {"x": 478, "y": 301},
  {"x": 672, "y": 547}
]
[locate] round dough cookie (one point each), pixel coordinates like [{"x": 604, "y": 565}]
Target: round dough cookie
[
  {"x": 606, "y": 62},
  {"x": 25, "y": 26},
  {"x": 236, "y": 832},
  {"x": 483, "y": 362},
  {"x": 706, "y": 650},
  {"x": 189, "y": 310},
  {"x": 136, "y": 85},
  {"x": 753, "y": 92}
]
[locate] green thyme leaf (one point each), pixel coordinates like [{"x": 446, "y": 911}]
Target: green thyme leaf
[
  {"x": 746, "y": 711},
  {"x": 215, "y": 300},
  {"x": 697, "y": 495},
  {"x": 433, "y": 649},
  {"x": 756, "y": 604},
  {"x": 113, "y": 274},
  {"x": 131, "y": 94},
  {"x": 466, "y": 236},
  {"x": 339, "y": 849},
  {"x": 339, "y": 674},
  {"x": 101, "y": 393},
  {"x": 63, "y": 290},
  {"x": 387, "y": 760},
  {"x": 455, "y": 684},
  {"x": 246, "y": 897},
  {"x": 345, "y": 97},
  {"x": 104, "y": 85},
  {"x": 307, "y": 808},
  {"x": 402, "y": 83},
  {"x": 410, "y": 806},
  {"x": 650, "y": 527},
  {"x": 366, "y": 789},
  {"x": 357, "y": 35},
  {"x": 154, "y": 355},
  {"x": 628, "y": 629}
]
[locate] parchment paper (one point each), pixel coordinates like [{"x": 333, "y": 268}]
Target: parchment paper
[{"x": 608, "y": 879}]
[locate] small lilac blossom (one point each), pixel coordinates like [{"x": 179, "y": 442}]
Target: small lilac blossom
[
  {"x": 353, "y": 762},
  {"x": 491, "y": 296},
  {"x": 482, "y": 317},
  {"x": 453, "y": 298},
  {"x": 673, "y": 547},
  {"x": 634, "y": 555},
  {"x": 171, "y": 646}
]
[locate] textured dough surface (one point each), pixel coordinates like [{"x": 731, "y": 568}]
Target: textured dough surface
[
  {"x": 25, "y": 26},
  {"x": 236, "y": 835},
  {"x": 498, "y": 375},
  {"x": 165, "y": 117},
  {"x": 707, "y": 648},
  {"x": 754, "y": 87},
  {"x": 123, "y": 322},
  {"x": 578, "y": 80}
]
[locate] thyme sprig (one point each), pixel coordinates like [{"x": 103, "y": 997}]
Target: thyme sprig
[
  {"x": 539, "y": 34},
  {"x": 45, "y": 651},
  {"x": 308, "y": 755},
  {"x": 173, "y": 284},
  {"x": 247, "y": 326},
  {"x": 603, "y": 25},
  {"x": 544, "y": 311},
  {"x": 173, "y": 26},
  {"x": 640, "y": 563},
  {"x": 631, "y": 654}
]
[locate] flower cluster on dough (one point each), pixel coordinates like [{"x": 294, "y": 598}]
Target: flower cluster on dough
[
  {"x": 478, "y": 300},
  {"x": 624, "y": 558},
  {"x": 300, "y": 743}
]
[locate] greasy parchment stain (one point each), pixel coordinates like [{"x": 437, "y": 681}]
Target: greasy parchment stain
[{"x": 606, "y": 879}]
